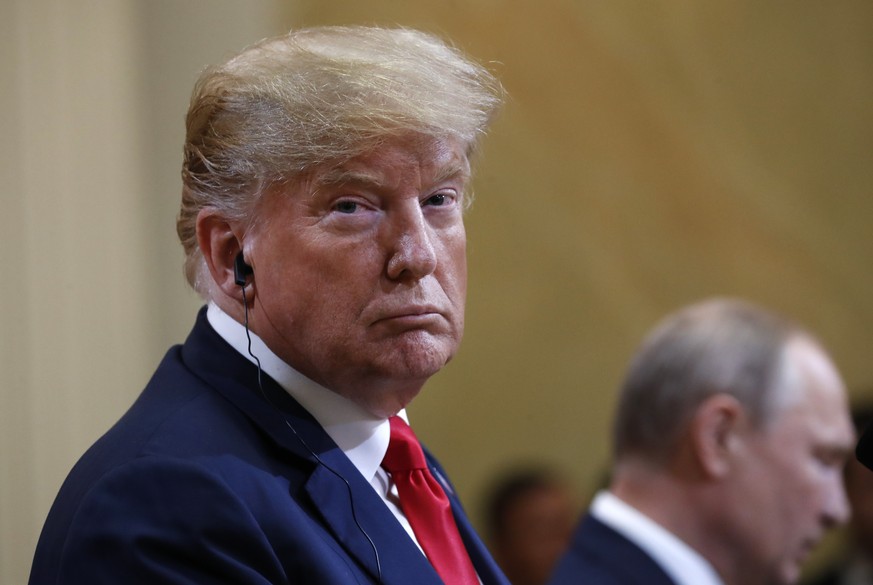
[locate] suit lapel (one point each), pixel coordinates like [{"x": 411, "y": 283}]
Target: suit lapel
[
  {"x": 364, "y": 526},
  {"x": 487, "y": 569}
]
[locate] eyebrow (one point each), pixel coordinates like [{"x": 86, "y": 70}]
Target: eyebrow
[
  {"x": 343, "y": 176},
  {"x": 452, "y": 171}
]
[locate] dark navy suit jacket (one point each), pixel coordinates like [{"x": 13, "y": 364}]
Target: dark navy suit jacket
[
  {"x": 598, "y": 555},
  {"x": 203, "y": 482}
]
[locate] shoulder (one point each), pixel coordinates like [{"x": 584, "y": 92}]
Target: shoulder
[
  {"x": 598, "y": 555},
  {"x": 586, "y": 560},
  {"x": 156, "y": 517}
]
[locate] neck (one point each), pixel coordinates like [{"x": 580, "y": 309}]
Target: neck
[
  {"x": 381, "y": 398},
  {"x": 680, "y": 503}
]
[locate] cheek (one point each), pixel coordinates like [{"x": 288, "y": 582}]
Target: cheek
[
  {"x": 455, "y": 266},
  {"x": 781, "y": 494},
  {"x": 302, "y": 293},
  {"x": 459, "y": 281},
  {"x": 800, "y": 495},
  {"x": 794, "y": 485}
]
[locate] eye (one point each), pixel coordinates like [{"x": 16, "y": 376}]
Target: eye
[
  {"x": 831, "y": 458},
  {"x": 439, "y": 200},
  {"x": 348, "y": 207}
]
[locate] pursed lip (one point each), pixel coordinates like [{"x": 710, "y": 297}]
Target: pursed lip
[
  {"x": 408, "y": 313},
  {"x": 807, "y": 547}
]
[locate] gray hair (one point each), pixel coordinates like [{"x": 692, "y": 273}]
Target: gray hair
[
  {"x": 717, "y": 346},
  {"x": 289, "y": 104}
]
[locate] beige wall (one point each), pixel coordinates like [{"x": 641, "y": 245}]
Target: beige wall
[
  {"x": 71, "y": 243},
  {"x": 93, "y": 98},
  {"x": 653, "y": 152}
]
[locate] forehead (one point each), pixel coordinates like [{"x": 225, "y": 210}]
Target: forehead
[
  {"x": 425, "y": 160},
  {"x": 816, "y": 403}
]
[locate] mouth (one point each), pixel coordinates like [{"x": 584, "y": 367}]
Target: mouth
[
  {"x": 806, "y": 549},
  {"x": 410, "y": 316}
]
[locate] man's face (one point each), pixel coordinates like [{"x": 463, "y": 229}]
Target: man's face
[
  {"x": 790, "y": 486},
  {"x": 360, "y": 271}
]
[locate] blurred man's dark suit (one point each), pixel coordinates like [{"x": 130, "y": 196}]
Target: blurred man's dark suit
[{"x": 599, "y": 555}]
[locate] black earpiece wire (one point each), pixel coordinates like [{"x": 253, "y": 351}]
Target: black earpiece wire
[{"x": 299, "y": 438}]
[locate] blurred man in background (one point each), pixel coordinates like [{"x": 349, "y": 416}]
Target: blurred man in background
[
  {"x": 530, "y": 514},
  {"x": 855, "y": 565},
  {"x": 730, "y": 436}
]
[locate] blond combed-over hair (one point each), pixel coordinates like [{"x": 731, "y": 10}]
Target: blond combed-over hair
[{"x": 289, "y": 104}]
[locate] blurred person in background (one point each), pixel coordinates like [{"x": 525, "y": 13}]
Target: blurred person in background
[
  {"x": 530, "y": 515},
  {"x": 855, "y": 565},
  {"x": 729, "y": 439}
]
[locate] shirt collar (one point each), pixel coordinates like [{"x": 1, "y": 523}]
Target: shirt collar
[
  {"x": 682, "y": 563},
  {"x": 360, "y": 435}
]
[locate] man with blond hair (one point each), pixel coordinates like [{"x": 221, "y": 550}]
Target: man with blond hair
[{"x": 325, "y": 177}]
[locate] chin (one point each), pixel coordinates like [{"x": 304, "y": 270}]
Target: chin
[
  {"x": 789, "y": 575},
  {"x": 418, "y": 368},
  {"x": 421, "y": 355}
]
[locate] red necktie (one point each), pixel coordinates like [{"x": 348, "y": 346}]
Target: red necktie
[{"x": 426, "y": 507}]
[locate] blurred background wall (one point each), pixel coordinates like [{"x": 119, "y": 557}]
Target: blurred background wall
[{"x": 652, "y": 153}]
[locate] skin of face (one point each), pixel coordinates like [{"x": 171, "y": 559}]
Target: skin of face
[
  {"x": 789, "y": 484},
  {"x": 360, "y": 270}
]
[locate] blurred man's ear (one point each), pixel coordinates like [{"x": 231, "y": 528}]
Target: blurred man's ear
[{"x": 715, "y": 433}]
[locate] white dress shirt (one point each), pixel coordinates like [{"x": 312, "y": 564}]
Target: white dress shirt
[
  {"x": 682, "y": 564},
  {"x": 362, "y": 436}
]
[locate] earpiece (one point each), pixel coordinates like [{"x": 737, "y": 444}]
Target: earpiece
[{"x": 241, "y": 270}]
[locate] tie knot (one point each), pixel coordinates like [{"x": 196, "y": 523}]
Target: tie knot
[{"x": 404, "y": 451}]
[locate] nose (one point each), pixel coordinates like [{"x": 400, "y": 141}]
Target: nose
[
  {"x": 411, "y": 241},
  {"x": 837, "y": 508}
]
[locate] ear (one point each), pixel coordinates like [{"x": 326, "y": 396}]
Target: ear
[
  {"x": 219, "y": 242},
  {"x": 715, "y": 430}
]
